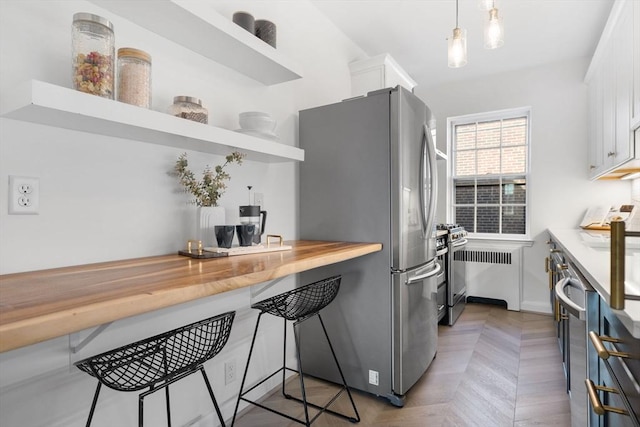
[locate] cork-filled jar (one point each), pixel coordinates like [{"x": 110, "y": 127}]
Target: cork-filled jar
[
  {"x": 190, "y": 108},
  {"x": 134, "y": 77}
]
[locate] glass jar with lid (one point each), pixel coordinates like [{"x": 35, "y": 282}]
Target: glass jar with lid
[
  {"x": 190, "y": 108},
  {"x": 93, "y": 55},
  {"x": 134, "y": 77}
]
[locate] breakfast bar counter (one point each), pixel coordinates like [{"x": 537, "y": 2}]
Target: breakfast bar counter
[{"x": 39, "y": 305}]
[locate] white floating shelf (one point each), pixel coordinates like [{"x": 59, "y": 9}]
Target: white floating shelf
[
  {"x": 198, "y": 27},
  {"x": 47, "y": 104}
]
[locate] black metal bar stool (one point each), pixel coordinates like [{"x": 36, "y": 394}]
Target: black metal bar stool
[
  {"x": 298, "y": 305},
  {"x": 159, "y": 361}
]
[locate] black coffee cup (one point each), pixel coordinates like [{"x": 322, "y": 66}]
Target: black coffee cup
[
  {"x": 245, "y": 233},
  {"x": 224, "y": 235}
]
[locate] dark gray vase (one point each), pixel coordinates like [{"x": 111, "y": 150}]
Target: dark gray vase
[
  {"x": 266, "y": 31},
  {"x": 245, "y": 20}
]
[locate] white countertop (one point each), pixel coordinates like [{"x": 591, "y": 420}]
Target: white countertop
[{"x": 590, "y": 251}]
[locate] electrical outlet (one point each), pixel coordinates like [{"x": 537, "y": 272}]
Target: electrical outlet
[
  {"x": 229, "y": 371},
  {"x": 258, "y": 199},
  {"x": 24, "y": 195},
  {"x": 374, "y": 377}
]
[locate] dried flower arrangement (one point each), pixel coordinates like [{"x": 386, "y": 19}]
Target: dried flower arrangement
[{"x": 210, "y": 189}]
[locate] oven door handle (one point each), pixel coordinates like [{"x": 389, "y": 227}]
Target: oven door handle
[
  {"x": 421, "y": 277},
  {"x": 573, "y": 308},
  {"x": 442, "y": 252},
  {"x": 459, "y": 243}
]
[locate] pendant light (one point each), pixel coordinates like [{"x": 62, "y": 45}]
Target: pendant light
[
  {"x": 493, "y": 30},
  {"x": 485, "y": 4},
  {"x": 458, "y": 46}
]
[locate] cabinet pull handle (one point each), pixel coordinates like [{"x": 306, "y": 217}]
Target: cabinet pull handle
[
  {"x": 611, "y": 154},
  {"x": 549, "y": 272},
  {"x": 557, "y": 311},
  {"x": 602, "y": 351},
  {"x": 598, "y": 407},
  {"x": 554, "y": 251}
]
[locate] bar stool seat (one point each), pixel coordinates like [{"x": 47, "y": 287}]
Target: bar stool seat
[
  {"x": 159, "y": 361},
  {"x": 298, "y": 305}
]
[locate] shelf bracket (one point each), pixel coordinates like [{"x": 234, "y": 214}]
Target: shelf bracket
[{"x": 77, "y": 346}]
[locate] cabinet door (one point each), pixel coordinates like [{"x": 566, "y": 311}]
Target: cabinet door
[
  {"x": 608, "y": 108},
  {"x": 623, "y": 69},
  {"x": 596, "y": 114},
  {"x": 636, "y": 63},
  {"x": 619, "y": 373}
]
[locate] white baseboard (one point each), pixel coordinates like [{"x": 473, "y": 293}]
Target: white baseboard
[{"x": 536, "y": 307}]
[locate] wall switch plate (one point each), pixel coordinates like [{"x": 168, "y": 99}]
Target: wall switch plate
[
  {"x": 374, "y": 377},
  {"x": 24, "y": 195}
]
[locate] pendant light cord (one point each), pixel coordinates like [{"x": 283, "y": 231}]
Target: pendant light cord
[{"x": 456, "y": 13}]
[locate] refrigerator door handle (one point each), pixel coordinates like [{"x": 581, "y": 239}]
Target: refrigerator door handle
[
  {"x": 421, "y": 277},
  {"x": 429, "y": 151}
]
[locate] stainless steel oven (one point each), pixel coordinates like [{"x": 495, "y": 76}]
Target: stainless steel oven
[
  {"x": 441, "y": 258},
  {"x": 456, "y": 298},
  {"x": 455, "y": 268}
]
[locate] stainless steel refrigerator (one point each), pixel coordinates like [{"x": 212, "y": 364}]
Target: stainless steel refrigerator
[{"x": 370, "y": 175}]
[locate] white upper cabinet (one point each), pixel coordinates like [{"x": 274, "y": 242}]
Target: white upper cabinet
[
  {"x": 636, "y": 66},
  {"x": 613, "y": 94},
  {"x": 379, "y": 72}
]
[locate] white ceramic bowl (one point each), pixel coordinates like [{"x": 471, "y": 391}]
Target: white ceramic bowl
[{"x": 257, "y": 121}]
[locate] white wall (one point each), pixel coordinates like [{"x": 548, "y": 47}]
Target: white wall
[
  {"x": 559, "y": 189},
  {"x": 106, "y": 198}
]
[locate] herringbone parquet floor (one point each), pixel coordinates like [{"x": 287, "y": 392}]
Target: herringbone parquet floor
[{"x": 493, "y": 368}]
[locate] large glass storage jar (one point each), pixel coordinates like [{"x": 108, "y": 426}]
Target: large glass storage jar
[
  {"x": 134, "y": 77},
  {"x": 93, "y": 55},
  {"x": 189, "y": 108}
]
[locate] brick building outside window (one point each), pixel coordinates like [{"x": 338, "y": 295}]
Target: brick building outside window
[{"x": 489, "y": 166}]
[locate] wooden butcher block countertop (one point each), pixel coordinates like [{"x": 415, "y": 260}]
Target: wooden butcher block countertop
[{"x": 40, "y": 305}]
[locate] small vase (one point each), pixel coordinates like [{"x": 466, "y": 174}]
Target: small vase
[{"x": 207, "y": 217}]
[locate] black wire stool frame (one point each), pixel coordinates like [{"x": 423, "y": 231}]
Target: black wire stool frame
[
  {"x": 160, "y": 361},
  {"x": 298, "y": 305}
]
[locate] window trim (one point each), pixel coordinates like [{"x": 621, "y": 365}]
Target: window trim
[{"x": 488, "y": 116}]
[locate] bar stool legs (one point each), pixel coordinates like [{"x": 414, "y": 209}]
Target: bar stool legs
[
  {"x": 344, "y": 381},
  {"x": 93, "y": 404},
  {"x": 298, "y": 306},
  {"x": 141, "y": 397}
]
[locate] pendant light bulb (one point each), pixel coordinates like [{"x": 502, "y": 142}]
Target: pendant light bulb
[
  {"x": 458, "y": 48},
  {"x": 493, "y": 31},
  {"x": 485, "y": 4},
  {"x": 457, "y": 51}
]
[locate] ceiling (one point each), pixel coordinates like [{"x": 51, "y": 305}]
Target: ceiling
[{"x": 415, "y": 32}]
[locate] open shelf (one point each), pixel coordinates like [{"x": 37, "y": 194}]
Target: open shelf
[
  {"x": 47, "y": 104},
  {"x": 198, "y": 27}
]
